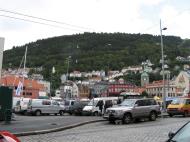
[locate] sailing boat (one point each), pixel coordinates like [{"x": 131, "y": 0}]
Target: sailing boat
[
  {"x": 20, "y": 86},
  {"x": 20, "y": 106}
]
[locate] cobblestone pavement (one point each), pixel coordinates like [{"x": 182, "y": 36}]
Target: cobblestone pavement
[{"x": 156, "y": 131}]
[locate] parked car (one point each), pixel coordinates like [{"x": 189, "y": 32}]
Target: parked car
[
  {"x": 68, "y": 104},
  {"x": 182, "y": 135},
  {"x": 179, "y": 106},
  {"x": 22, "y": 105},
  {"x": 131, "y": 109},
  {"x": 6, "y": 136},
  {"x": 78, "y": 107},
  {"x": 44, "y": 106},
  {"x": 93, "y": 107}
]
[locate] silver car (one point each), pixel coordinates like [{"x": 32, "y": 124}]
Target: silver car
[{"x": 131, "y": 109}]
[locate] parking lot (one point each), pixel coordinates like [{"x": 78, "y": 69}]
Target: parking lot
[
  {"x": 149, "y": 131},
  {"x": 23, "y": 123}
]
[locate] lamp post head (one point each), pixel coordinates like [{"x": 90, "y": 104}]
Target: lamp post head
[{"x": 164, "y": 29}]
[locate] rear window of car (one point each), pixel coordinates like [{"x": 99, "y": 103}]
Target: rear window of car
[
  {"x": 141, "y": 102},
  {"x": 152, "y": 102},
  {"x": 146, "y": 102}
]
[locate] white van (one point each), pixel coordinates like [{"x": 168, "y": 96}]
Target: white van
[
  {"x": 44, "y": 106},
  {"x": 22, "y": 105},
  {"x": 93, "y": 106}
]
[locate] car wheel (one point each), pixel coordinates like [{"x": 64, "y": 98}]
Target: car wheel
[
  {"x": 55, "y": 114},
  {"x": 38, "y": 113},
  {"x": 112, "y": 121},
  {"x": 96, "y": 113},
  {"x": 152, "y": 116},
  {"x": 61, "y": 112},
  {"x": 25, "y": 112},
  {"x": 185, "y": 113},
  {"x": 127, "y": 118},
  {"x": 171, "y": 115}
]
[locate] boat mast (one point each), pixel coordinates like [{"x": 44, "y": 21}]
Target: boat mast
[{"x": 24, "y": 68}]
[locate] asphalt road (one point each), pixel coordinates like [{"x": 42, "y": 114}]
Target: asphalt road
[
  {"x": 35, "y": 123},
  {"x": 148, "y": 131}
]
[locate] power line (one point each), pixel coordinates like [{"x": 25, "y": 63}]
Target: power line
[
  {"x": 56, "y": 26},
  {"x": 48, "y": 20}
]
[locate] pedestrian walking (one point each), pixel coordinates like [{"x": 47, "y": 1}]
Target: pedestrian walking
[
  {"x": 101, "y": 105},
  {"x": 107, "y": 104}
]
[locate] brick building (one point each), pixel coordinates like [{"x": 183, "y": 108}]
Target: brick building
[
  {"x": 116, "y": 89},
  {"x": 156, "y": 88},
  {"x": 173, "y": 88},
  {"x": 31, "y": 88}
]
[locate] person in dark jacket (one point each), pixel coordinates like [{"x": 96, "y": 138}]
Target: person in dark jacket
[{"x": 101, "y": 104}]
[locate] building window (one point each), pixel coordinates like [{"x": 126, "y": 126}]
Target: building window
[
  {"x": 29, "y": 94},
  {"x": 23, "y": 93}
]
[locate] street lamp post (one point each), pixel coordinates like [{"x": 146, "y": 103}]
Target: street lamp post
[
  {"x": 51, "y": 85},
  {"x": 163, "y": 75}
]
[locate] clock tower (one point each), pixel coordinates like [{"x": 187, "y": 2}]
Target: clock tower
[{"x": 144, "y": 78}]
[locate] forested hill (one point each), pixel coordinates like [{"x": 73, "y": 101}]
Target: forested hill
[{"x": 96, "y": 51}]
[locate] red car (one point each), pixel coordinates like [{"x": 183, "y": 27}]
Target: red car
[{"x": 5, "y": 136}]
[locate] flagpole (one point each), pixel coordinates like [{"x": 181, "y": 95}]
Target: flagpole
[{"x": 24, "y": 68}]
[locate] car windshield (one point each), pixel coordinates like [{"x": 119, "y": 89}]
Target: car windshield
[
  {"x": 183, "y": 135},
  {"x": 129, "y": 102},
  {"x": 177, "y": 101},
  {"x": 92, "y": 102}
]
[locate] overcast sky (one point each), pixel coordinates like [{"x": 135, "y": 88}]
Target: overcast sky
[{"x": 127, "y": 16}]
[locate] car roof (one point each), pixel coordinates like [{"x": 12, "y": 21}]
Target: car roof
[
  {"x": 105, "y": 98},
  {"x": 141, "y": 99}
]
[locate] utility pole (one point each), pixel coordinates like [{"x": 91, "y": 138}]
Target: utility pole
[
  {"x": 68, "y": 60},
  {"x": 163, "y": 72}
]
